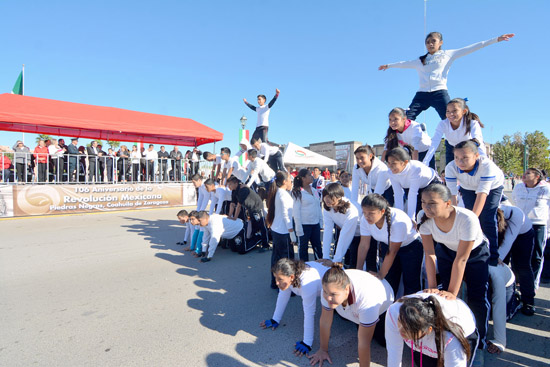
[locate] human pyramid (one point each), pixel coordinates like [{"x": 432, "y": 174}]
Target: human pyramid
[{"x": 416, "y": 233}]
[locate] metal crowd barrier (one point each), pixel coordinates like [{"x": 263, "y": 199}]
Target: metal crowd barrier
[{"x": 24, "y": 168}]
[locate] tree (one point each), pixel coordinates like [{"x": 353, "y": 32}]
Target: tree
[
  {"x": 42, "y": 137},
  {"x": 508, "y": 155},
  {"x": 538, "y": 150},
  {"x": 113, "y": 144}
]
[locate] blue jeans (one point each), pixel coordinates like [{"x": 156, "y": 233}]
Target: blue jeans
[
  {"x": 449, "y": 152},
  {"x": 407, "y": 262},
  {"x": 424, "y": 100},
  {"x": 476, "y": 276},
  {"x": 312, "y": 234},
  {"x": 487, "y": 218},
  {"x": 521, "y": 251},
  {"x": 537, "y": 260}
]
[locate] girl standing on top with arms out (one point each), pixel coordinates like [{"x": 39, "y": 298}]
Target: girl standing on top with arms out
[{"x": 433, "y": 68}]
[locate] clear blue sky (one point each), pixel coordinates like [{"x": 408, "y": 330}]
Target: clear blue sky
[{"x": 199, "y": 59}]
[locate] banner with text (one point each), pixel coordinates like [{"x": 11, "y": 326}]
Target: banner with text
[{"x": 66, "y": 199}]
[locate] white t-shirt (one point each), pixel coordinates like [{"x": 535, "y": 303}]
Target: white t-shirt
[
  {"x": 485, "y": 177},
  {"x": 219, "y": 226},
  {"x": 414, "y": 176},
  {"x": 454, "y": 355},
  {"x": 402, "y": 229},
  {"x": 282, "y": 221},
  {"x": 454, "y": 137},
  {"x": 414, "y": 136},
  {"x": 310, "y": 288},
  {"x": 204, "y": 198},
  {"x": 349, "y": 227},
  {"x": 260, "y": 171},
  {"x": 466, "y": 227},
  {"x": 263, "y": 115},
  {"x": 369, "y": 298},
  {"x": 533, "y": 201},
  {"x": 377, "y": 180},
  {"x": 306, "y": 210},
  {"x": 518, "y": 224}
]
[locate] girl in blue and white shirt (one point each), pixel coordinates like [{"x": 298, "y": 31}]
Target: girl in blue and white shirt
[
  {"x": 433, "y": 68},
  {"x": 481, "y": 186}
]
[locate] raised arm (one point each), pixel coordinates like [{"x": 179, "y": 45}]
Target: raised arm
[
  {"x": 252, "y": 107},
  {"x": 272, "y": 102},
  {"x": 455, "y": 54},
  {"x": 412, "y": 64}
]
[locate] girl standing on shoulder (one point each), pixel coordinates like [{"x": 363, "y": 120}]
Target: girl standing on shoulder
[
  {"x": 307, "y": 215},
  {"x": 403, "y": 131},
  {"x": 533, "y": 197},
  {"x": 339, "y": 211},
  {"x": 372, "y": 172},
  {"x": 279, "y": 219},
  {"x": 460, "y": 125},
  {"x": 433, "y": 68},
  {"x": 440, "y": 332},
  {"x": 359, "y": 297},
  {"x": 303, "y": 279},
  {"x": 462, "y": 254},
  {"x": 481, "y": 186},
  {"x": 400, "y": 245},
  {"x": 406, "y": 174}
]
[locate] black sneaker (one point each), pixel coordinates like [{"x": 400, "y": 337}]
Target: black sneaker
[
  {"x": 205, "y": 259},
  {"x": 528, "y": 310}
]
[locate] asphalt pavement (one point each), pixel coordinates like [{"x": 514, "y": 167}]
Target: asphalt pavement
[{"x": 114, "y": 289}]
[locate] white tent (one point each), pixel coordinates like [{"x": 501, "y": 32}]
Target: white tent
[{"x": 302, "y": 157}]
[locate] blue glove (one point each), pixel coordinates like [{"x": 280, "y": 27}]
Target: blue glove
[
  {"x": 271, "y": 323},
  {"x": 302, "y": 347}
]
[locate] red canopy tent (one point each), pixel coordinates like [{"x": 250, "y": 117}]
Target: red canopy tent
[{"x": 59, "y": 118}]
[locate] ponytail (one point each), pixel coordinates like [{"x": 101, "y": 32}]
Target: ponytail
[
  {"x": 298, "y": 183},
  {"x": 336, "y": 274},
  {"x": 417, "y": 315},
  {"x": 469, "y": 116},
  {"x": 501, "y": 226}
]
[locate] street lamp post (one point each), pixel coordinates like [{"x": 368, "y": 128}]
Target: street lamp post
[
  {"x": 525, "y": 156},
  {"x": 243, "y": 134}
]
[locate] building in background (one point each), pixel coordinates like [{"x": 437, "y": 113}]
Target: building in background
[{"x": 341, "y": 152}]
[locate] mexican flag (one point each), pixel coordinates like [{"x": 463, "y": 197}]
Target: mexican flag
[{"x": 18, "y": 87}]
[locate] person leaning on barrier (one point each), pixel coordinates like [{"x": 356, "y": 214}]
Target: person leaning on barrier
[{"x": 177, "y": 158}]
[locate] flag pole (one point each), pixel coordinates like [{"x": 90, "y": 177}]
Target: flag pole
[{"x": 23, "y": 92}]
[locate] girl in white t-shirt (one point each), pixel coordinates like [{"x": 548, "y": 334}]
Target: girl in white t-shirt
[
  {"x": 481, "y": 185},
  {"x": 462, "y": 252},
  {"x": 279, "y": 219},
  {"x": 406, "y": 174},
  {"x": 303, "y": 279},
  {"x": 461, "y": 124},
  {"x": 440, "y": 332},
  {"x": 403, "y": 131},
  {"x": 307, "y": 215},
  {"x": 340, "y": 212},
  {"x": 372, "y": 172},
  {"x": 532, "y": 195},
  {"x": 400, "y": 245},
  {"x": 357, "y": 296}
]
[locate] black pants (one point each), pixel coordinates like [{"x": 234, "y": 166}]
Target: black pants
[
  {"x": 408, "y": 262},
  {"x": 275, "y": 162},
  {"x": 92, "y": 170},
  {"x": 163, "y": 171},
  {"x": 421, "y": 156},
  {"x": 259, "y": 230},
  {"x": 21, "y": 172},
  {"x": 350, "y": 259},
  {"x": 312, "y": 234},
  {"x": 520, "y": 254},
  {"x": 424, "y": 100},
  {"x": 260, "y": 132},
  {"x": 42, "y": 172},
  {"x": 282, "y": 248},
  {"x": 476, "y": 276},
  {"x": 150, "y": 171}
]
